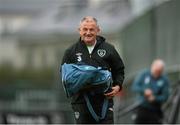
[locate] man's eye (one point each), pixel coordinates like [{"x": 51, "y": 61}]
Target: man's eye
[
  {"x": 85, "y": 29},
  {"x": 92, "y": 30}
]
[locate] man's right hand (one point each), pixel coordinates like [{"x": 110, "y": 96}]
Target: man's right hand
[{"x": 149, "y": 95}]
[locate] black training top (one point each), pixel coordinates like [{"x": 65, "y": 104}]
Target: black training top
[{"x": 103, "y": 55}]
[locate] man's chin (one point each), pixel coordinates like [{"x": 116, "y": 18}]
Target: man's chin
[{"x": 89, "y": 41}]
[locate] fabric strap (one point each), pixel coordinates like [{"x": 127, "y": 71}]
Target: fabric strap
[{"x": 91, "y": 110}]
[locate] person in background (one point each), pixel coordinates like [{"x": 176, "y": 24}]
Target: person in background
[
  {"x": 152, "y": 87},
  {"x": 92, "y": 49}
]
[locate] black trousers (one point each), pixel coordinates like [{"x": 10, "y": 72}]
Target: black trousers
[
  {"x": 83, "y": 116},
  {"x": 148, "y": 116}
]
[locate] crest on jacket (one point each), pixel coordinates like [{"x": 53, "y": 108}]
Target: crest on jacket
[
  {"x": 101, "y": 52},
  {"x": 76, "y": 114}
]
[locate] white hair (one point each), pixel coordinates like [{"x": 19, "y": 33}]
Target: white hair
[
  {"x": 89, "y": 19},
  {"x": 159, "y": 62}
]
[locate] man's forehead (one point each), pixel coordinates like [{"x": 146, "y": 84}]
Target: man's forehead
[{"x": 88, "y": 24}]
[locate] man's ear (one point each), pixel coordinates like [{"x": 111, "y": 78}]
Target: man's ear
[{"x": 98, "y": 30}]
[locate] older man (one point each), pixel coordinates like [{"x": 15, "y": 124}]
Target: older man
[
  {"x": 153, "y": 89},
  {"x": 92, "y": 49}
]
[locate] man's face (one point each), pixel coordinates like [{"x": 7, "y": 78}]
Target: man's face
[
  {"x": 88, "y": 31},
  {"x": 157, "y": 70}
]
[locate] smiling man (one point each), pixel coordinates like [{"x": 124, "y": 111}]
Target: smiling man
[
  {"x": 88, "y": 30},
  {"x": 92, "y": 49}
]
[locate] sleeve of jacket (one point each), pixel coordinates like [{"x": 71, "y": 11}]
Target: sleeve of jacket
[
  {"x": 137, "y": 83},
  {"x": 164, "y": 94},
  {"x": 67, "y": 58},
  {"x": 117, "y": 68}
]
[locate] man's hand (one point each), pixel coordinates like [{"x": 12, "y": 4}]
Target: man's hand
[
  {"x": 149, "y": 95},
  {"x": 114, "y": 91},
  {"x": 151, "y": 98}
]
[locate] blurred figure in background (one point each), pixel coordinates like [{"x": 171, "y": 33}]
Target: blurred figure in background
[{"x": 153, "y": 89}]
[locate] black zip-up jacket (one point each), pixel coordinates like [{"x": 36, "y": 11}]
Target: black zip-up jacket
[{"x": 103, "y": 55}]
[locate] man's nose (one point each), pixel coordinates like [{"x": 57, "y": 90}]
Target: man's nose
[{"x": 88, "y": 32}]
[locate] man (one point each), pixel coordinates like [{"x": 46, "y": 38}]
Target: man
[
  {"x": 153, "y": 89},
  {"x": 92, "y": 49}
]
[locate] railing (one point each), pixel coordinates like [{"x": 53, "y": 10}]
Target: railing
[{"x": 174, "y": 113}]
